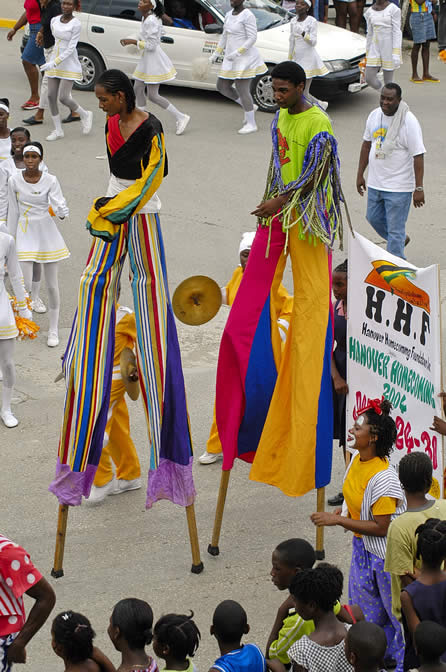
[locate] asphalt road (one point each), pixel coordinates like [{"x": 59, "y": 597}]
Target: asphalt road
[{"x": 215, "y": 178}]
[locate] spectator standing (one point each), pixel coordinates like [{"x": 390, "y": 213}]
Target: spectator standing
[
  {"x": 415, "y": 474},
  {"x": 344, "y": 9},
  {"x": 393, "y": 150},
  {"x": 423, "y": 31},
  {"x": 384, "y": 39},
  {"x": 32, "y": 56},
  {"x": 441, "y": 31},
  {"x": 17, "y": 577}
]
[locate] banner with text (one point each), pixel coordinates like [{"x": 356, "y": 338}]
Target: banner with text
[{"x": 393, "y": 346}]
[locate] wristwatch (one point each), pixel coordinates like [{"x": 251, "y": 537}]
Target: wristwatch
[{"x": 419, "y": 188}]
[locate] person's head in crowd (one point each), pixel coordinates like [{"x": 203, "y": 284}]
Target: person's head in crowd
[
  {"x": 130, "y": 625},
  {"x": 339, "y": 282},
  {"x": 390, "y": 98},
  {"x": 175, "y": 639},
  {"x": 289, "y": 558},
  {"x": 430, "y": 644},
  {"x": 70, "y": 6},
  {"x": 19, "y": 138},
  {"x": 245, "y": 247},
  {"x": 288, "y": 82},
  {"x": 147, "y": 6},
  {"x": 229, "y": 624},
  {"x": 4, "y": 115},
  {"x": 415, "y": 473},
  {"x": 303, "y": 8},
  {"x": 316, "y": 591},
  {"x": 32, "y": 156},
  {"x": 431, "y": 543},
  {"x": 178, "y": 9},
  {"x": 72, "y": 637},
  {"x": 374, "y": 431},
  {"x": 365, "y": 647},
  {"x": 115, "y": 92}
]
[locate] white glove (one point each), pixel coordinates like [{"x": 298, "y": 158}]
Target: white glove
[
  {"x": 396, "y": 60},
  {"x": 213, "y": 57},
  {"x": 232, "y": 56},
  {"x": 26, "y": 314},
  {"x": 47, "y": 66}
]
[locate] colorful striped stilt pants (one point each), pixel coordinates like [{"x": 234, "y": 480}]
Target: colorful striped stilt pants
[{"x": 88, "y": 365}]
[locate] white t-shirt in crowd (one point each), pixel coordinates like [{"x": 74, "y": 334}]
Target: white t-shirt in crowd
[{"x": 395, "y": 172}]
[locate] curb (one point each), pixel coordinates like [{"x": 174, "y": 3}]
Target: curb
[{"x": 7, "y": 23}]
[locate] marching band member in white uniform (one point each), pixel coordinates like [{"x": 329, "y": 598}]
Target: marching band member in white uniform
[
  {"x": 384, "y": 41},
  {"x": 8, "y": 328},
  {"x": 154, "y": 67},
  {"x": 242, "y": 61},
  {"x": 30, "y": 194},
  {"x": 303, "y": 40},
  {"x": 64, "y": 69}
]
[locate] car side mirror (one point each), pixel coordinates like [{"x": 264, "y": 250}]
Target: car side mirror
[{"x": 213, "y": 28}]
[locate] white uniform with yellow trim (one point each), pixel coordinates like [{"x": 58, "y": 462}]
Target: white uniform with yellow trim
[
  {"x": 154, "y": 66},
  {"x": 302, "y": 49},
  {"x": 36, "y": 232},
  {"x": 384, "y": 37},
  {"x": 64, "y": 53},
  {"x": 242, "y": 59},
  {"x": 8, "y": 257}
]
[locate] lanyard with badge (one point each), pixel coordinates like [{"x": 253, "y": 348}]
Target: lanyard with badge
[{"x": 379, "y": 154}]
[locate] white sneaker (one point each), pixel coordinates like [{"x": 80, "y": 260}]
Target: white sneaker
[
  {"x": 55, "y": 135},
  {"x": 87, "y": 123},
  {"x": 97, "y": 495},
  {"x": 182, "y": 124},
  {"x": 38, "y": 306},
  {"x": 256, "y": 107},
  {"x": 209, "y": 458},
  {"x": 248, "y": 128},
  {"x": 53, "y": 339},
  {"x": 9, "y": 420},
  {"x": 126, "y": 486}
]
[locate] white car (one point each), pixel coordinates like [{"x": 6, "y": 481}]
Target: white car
[{"x": 105, "y": 22}]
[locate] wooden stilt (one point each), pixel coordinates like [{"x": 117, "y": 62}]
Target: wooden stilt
[
  {"x": 62, "y": 520},
  {"x": 320, "y": 553},
  {"x": 197, "y": 565},
  {"x": 213, "y": 548}
]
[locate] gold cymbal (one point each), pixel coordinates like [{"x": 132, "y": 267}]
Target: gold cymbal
[
  {"x": 196, "y": 300},
  {"x": 129, "y": 373}
]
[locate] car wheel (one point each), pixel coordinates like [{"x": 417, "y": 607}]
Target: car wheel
[
  {"x": 92, "y": 68},
  {"x": 262, "y": 92}
]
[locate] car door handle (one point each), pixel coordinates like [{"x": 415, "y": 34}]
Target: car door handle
[
  {"x": 97, "y": 29},
  {"x": 167, "y": 40}
]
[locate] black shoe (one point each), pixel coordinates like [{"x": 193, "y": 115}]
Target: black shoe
[
  {"x": 32, "y": 121},
  {"x": 337, "y": 500},
  {"x": 389, "y": 663},
  {"x": 70, "y": 118}
]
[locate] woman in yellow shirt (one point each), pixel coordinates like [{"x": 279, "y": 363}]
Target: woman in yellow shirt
[{"x": 373, "y": 497}]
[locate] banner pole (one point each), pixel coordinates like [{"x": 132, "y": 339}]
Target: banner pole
[
  {"x": 213, "y": 548},
  {"x": 320, "y": 553},
  {"x": 57, "y": 571}
]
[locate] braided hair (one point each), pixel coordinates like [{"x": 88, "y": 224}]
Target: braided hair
[
  {"x": 322, "y": 585},
  {"x": 115, "y": 81},
  {"x": 383, "y": 427},
  {"x": 415, "y": 472},
  {"x": 179, "y": 633},
  {"x": 159, "y": 9},
  {"x": 74, "y": 634},
  {"x": 431, "y": 542},
  {"x": 134, "y": 618}
]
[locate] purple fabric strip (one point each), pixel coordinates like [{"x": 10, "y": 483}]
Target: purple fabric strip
[
  {"x": 171, "y": 481},
  {"x": 70, "y": 486}
]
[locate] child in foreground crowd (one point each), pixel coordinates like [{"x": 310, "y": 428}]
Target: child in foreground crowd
[
  {"x": 315, "y": 592},
  {"x": 130, "y": 631},
  {"x": 365, "y": 647},
  {"x": 229, "y": 624},
  {"x": 430, "y": 643},
  {"x": 72, "y": 640},
  {"x": 176, "y": 639}
]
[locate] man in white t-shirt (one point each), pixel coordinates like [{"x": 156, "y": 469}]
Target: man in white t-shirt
[{"x": 393, "y": 150}]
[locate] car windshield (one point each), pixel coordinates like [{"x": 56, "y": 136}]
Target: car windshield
[{"x": 268, "y": 14}]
